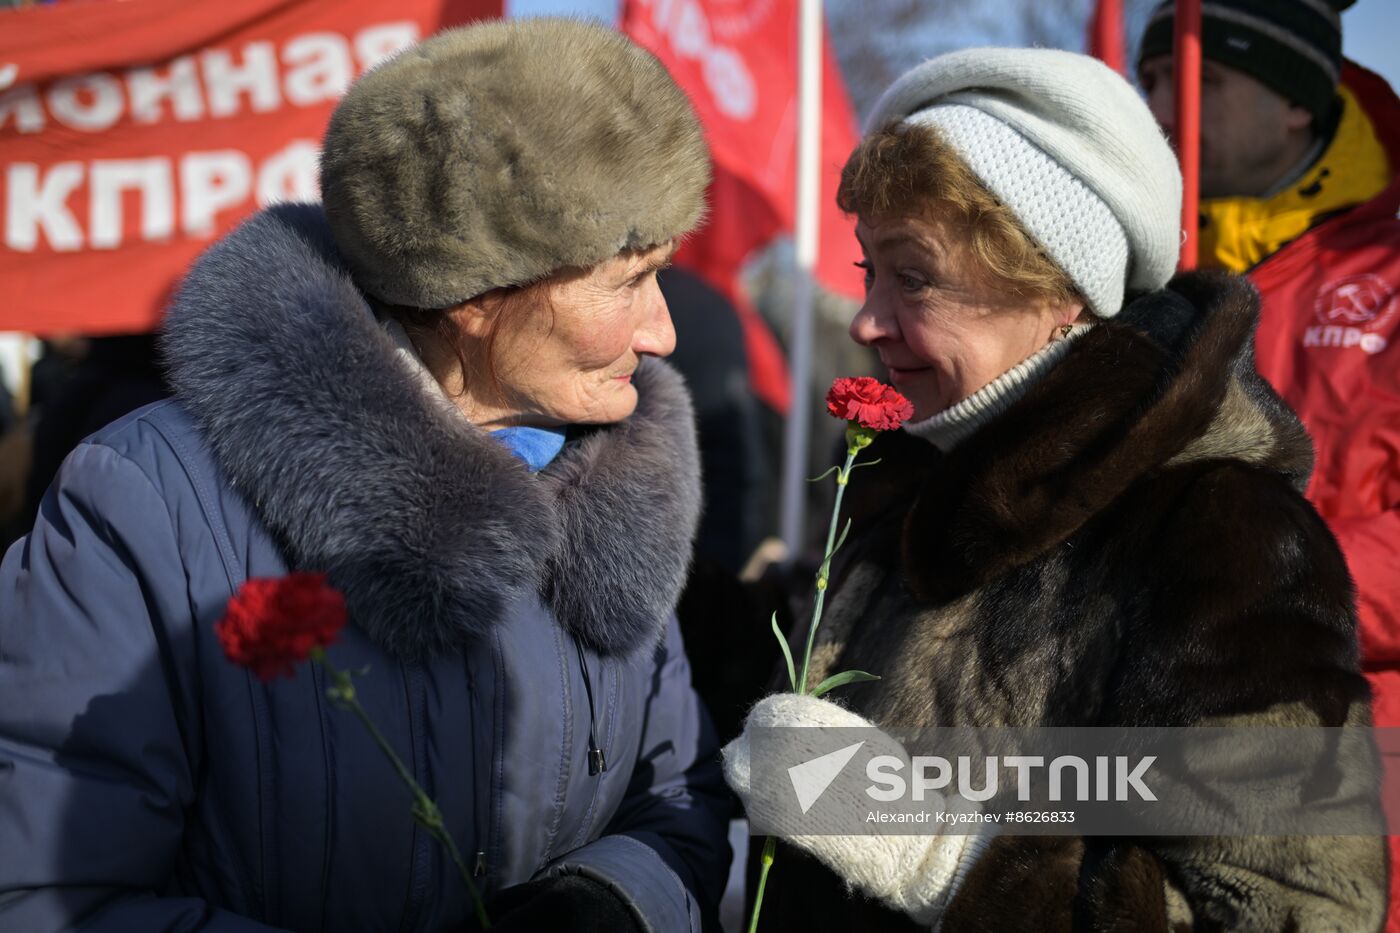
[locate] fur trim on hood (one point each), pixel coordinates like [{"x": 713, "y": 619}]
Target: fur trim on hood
[{"x": 431, "y": 527}]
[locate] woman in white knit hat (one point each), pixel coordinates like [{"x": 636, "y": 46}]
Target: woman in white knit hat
[{"x": 1095, "y": 519}]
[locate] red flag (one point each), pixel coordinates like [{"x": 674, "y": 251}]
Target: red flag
[
  {"x": 738, "y": 62},
  {"x": 134, "y": 133}
]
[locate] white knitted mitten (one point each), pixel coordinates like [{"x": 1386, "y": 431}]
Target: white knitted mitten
[{"x": 915, "y": 874}]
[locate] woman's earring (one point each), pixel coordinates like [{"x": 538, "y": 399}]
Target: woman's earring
[{"x": 1064, "y": 331}]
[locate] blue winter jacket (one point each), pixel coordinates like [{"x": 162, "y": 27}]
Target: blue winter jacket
[{"x": 502, "y": 624}]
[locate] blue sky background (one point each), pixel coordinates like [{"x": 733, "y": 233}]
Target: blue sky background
[
  {"x": 1371, "y": 36},
  {"x": 1370, "y": 29}
]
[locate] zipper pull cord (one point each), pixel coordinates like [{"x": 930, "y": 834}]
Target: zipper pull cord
[{"x": 597, "y": 763}]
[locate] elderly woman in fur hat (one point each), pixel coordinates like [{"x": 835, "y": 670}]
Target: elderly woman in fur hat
[
  {"x": 441, "y": 389},
  {"x": 1095, "y": 519}
]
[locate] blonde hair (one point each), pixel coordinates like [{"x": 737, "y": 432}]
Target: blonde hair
[{"x": 905, "y": 170}]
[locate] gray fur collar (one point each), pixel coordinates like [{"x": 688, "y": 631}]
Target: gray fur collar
[{"x": 430, "y": 527}]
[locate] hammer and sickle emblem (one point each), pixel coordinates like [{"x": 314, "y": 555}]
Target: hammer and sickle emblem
[{"x": 1355, "y": 303}]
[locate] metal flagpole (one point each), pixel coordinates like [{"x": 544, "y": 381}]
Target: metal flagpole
[
  {"x": 1107, "y": 37},
  {"x": 1187, "y": 71},
  {"x": 809, "y": 96}
]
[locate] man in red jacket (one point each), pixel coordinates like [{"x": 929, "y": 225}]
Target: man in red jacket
[{"x": 1299, "y": 152}]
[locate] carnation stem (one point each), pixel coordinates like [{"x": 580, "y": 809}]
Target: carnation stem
[
  {"x": 858, "y": 440},
  {"x": 425, "y": 810},
  {"x": 843, "y": 478},
  {"x": 770, "y": 848}
]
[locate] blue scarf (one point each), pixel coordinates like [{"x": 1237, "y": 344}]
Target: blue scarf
[{"x": 536, "y": 446}]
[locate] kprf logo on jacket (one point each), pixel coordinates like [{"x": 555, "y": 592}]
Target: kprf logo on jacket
[{"x": 1356, "y": 311}]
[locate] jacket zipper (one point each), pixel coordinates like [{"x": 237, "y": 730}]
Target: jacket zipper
[
  {"x": 414, "y": 691},
  {"x": 479, "y": 827},
  {"x": 597, "y": 762}
]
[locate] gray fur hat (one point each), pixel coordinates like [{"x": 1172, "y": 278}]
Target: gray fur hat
[{"x": 498, "y": 153}]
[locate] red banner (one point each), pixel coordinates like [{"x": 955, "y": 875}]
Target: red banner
[
  {"x": 134, "y": 133},
  {"x": 737, "y": 59}
]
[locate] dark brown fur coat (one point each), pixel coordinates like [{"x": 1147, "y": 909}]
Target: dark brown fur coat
[{"x": 1127, "y": 545}]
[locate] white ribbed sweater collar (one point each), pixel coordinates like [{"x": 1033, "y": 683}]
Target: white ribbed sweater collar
[{"x": 954, "y": 425}]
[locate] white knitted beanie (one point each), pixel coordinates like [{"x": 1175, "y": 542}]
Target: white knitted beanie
[{"x": 1070, "y": 147}]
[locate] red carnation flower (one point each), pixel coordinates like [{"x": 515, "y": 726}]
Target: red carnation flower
[
  {"x": 868, "y": 402},
  {"x": 273, "y": 624}
]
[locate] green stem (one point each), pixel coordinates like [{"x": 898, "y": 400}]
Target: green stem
[
  {"x": 440, "y": 833},
  {"x": 425, "y": 810},
  {"x": 770, "y": 848},
  {"x": 843, "y": 477}
]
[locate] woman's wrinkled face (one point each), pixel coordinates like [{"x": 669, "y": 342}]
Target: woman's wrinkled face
[
  {"x": 942, "y": 330},
  {"x": 568, "y": 354}
]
